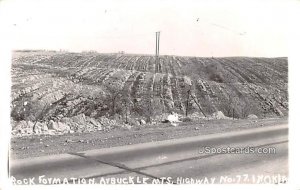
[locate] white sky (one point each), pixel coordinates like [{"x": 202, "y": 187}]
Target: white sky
[{"x": 224, "y": 28}]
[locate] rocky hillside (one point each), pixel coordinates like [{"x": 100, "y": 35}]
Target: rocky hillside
[{"x": 51, "y": 86}]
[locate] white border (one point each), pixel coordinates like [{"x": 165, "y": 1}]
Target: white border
[{"x": 294, "y": 96}]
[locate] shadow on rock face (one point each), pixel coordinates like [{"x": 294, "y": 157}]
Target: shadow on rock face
[{"x": 215, "y": 72}]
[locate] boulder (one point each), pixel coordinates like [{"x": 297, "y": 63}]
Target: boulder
[
  {"x": 79, "y": 119},
  {"x": 37, "y": 128},
  {"x": 95, "y": 123},
  {"x": 143, "y": 122},
  {"x": 40, "y": 127},
  {"x": 44, "y": 127},
  {"x": 58, "y": 126},
  {"x": 52, "y": 125},
  {"x": 219, "y": 115},
  {"x": 63, "y": 127},
  {"x": 68, "y": 121},
  {"x": 252, "y": 116},
  {"x": 173, "y": 118}
]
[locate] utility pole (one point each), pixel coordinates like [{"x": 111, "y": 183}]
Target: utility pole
[
  {"x": 157, "y": 44},
  {"x": 157, "y": 50}
]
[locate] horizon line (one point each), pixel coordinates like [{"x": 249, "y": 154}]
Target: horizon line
[{"x": 124, "y": 53}]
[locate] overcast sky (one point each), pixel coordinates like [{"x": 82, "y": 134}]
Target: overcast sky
[{"x": 193, "y": 28}]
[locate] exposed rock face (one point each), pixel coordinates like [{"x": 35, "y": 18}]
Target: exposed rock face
[{"x": 193, "y": 84}]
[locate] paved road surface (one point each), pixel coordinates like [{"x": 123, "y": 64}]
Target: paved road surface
[{"x": 174, "y": 161}]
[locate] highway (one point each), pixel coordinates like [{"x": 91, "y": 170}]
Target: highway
[{"x": 258, "y": 155}]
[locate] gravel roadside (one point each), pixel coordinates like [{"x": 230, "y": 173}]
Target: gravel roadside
[{"x": 34, "y": 146}]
